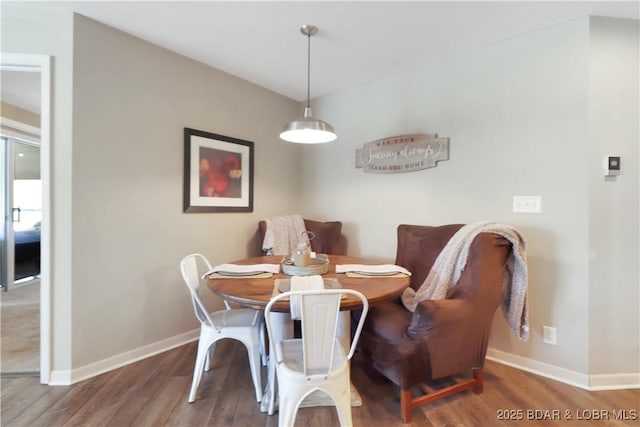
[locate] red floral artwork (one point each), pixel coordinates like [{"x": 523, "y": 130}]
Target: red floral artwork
[{"x": 220, "y": 173}]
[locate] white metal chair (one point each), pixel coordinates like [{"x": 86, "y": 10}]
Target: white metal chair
[
  {"x": 318, "y": 360},
  {"x": 242, "y": 324}
]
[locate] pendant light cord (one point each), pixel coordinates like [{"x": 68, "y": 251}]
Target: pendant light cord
[{"x": 308, "y": 69}]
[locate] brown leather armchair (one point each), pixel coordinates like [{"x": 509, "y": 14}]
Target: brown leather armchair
[
  {"x": 441, "y": 338},
  {"x": 327, "y": 239}
]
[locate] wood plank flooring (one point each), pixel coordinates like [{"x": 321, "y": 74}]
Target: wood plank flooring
[{"x": 153, "y": 392}]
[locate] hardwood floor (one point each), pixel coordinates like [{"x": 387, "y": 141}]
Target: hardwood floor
[
  {"x": 20, "y": 329},
  {"x": 153, "y": 392}
]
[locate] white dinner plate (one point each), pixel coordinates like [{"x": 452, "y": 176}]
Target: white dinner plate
[
  {"x": 238, "y": 273},
  {"x": 378, "y": 273}
]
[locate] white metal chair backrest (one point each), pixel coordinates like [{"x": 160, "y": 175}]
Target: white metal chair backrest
[
  {"x": 319, "y": 316},
  {"x": 191, "y": 276}
]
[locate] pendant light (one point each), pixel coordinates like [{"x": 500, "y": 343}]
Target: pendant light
[{"x": 308, "y": 130}]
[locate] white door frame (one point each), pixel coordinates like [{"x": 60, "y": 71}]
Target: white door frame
[
  {"x": 6, "y": 159},
  {"x": 41, "y": 64}
]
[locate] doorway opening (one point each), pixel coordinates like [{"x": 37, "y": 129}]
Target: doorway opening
[
  {"x": 25, "y": 199},
  {"x": 22, "y": 205}
]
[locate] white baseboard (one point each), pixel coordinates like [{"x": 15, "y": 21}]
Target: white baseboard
[
  {"x": 60, "y": 378},
  {"x": 120, "y": 360},
  {"x": 614, "y": 381},
  {"x": 567, "y": 376}
]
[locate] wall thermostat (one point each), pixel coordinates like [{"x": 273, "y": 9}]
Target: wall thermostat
[{"x": 611, "y": 165}]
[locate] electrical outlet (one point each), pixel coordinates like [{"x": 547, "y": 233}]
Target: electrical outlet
[
  {"x": 549, "y": 335},
  {"x": 527, "y": 204}
]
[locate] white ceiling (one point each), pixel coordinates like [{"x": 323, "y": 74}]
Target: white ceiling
[
  {"x": 357, "y": 42},
  {"x": 21, "y": 88}
]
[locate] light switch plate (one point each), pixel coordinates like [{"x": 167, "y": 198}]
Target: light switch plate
[
  {"x": 549, "y": 335},
  {"x": 527, "y": 204}
]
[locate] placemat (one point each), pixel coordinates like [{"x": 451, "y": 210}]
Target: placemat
[
  {"x": 334, "y": 283},
  {"x": 254, "y": 276},
  {"x": 276, "y": 286}
]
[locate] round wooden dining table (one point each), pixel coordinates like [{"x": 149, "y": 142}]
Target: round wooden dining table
[
  {"x": 256, "y": 292},
  {"x": 252, "y": 292}
]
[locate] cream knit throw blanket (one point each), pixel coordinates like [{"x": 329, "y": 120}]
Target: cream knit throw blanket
[
  {"x": 283, "y": 234},
  {"x": 450, "y": 263}
]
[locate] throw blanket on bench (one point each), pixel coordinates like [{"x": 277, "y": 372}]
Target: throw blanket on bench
[
  {"x": 283, "y": 233},
  {"x": 450, "y": 263}
]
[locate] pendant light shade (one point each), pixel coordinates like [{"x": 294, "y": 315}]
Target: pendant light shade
[{"x": 307, "y": 129}]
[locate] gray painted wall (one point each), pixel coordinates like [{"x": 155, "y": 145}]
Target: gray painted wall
[
  {"x": 520, "y": 115},
  {"x": 131, "y": 103}
]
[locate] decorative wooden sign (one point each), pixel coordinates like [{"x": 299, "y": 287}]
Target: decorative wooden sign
[{"x": 402, "y": 153}]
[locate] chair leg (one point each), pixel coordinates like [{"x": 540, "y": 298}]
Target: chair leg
[
  {"x": 287, "y": 411},
  {"x": 272, "y": 381},
  {"x": 201, "y": 356},
  {"x": 478, "y": 388},
  {"x": 264, "y": 344},
  {"x": 343, "y": 407},
  {"x": 406, "y": 405},
  {"x": 255, "y": 365},
  {"x": 207, "y": 361}
]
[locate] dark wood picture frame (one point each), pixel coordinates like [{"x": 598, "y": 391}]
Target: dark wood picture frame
[{"x": 218, "y": 173}]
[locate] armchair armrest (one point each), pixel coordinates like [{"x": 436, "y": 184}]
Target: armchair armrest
[
  {"x": 453, "y": 334},
  {"x": 433, "y": 315}
]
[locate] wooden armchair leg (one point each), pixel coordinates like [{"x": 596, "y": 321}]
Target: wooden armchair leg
[
  {"x": 406, "y": 405},
  {"x": 478, "y": 388}
]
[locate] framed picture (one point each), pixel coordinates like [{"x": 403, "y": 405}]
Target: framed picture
[{"x": 218, "y": 173}]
